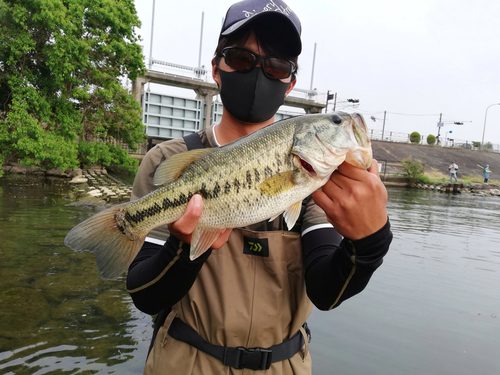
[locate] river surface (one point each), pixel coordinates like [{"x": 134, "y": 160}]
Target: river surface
[{"x": 432, "y": 307}]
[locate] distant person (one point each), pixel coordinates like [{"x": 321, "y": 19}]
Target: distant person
[
  {"x": 486, "y": 173},
  {"x": 453, "y": 172}
]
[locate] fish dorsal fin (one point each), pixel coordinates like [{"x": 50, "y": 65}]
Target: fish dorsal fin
[
  {"x": 292, "y": 214},
  {"x": 278, "y": 184},
  {"x": 172, "y": 168}
]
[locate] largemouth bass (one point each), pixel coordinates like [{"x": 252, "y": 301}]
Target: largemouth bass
[{"x": 254, "y": 178}]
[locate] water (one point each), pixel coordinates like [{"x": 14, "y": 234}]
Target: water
[{"x": 432, "y": 307}]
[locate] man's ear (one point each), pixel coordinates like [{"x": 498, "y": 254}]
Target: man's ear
[
  {"x": 215, "y": 73},
  {"x": 290, "y": 88}
]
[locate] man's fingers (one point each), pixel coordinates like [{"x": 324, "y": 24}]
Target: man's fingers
[
  {"x": 324, "y": 201},
  {"x": 222, "y": 239},
  {"x": 374, "y": 168},
  {"x": 186, "y": 224},
  {"x": 354, "y": 173}
]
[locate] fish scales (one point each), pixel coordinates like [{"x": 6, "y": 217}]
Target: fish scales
[
  {"x": 252, "y": 179},
  {"x": 234, "y": 170}
]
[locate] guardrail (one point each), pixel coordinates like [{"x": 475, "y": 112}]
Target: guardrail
[
  {"x": 391, "y": 136},
  {"x": 201, "y": 74},
  {"x": 164, "y": 67}
]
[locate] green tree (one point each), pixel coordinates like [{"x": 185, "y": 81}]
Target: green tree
[
  {"x": 413, "y": 169},
  {"x": 431, "y": 139},
  {"x": 61, "y": 67},
  {"x": 415, "y": 137},
  {"x": 487, "y": 147}
]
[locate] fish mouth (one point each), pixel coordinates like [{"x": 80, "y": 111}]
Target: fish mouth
[
  {"x": 316, "y": 168},
  {"x": 323, "y": 165},
  {"x": 308, "y": 167}
]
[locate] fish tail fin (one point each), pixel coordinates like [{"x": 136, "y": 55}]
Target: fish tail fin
[{"x": 101, "y": 235}]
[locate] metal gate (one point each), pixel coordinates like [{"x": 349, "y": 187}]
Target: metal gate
[{"x": 170, "y": 117}]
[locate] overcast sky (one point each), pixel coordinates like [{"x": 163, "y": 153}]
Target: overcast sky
[{"x": 412, "y": 59}]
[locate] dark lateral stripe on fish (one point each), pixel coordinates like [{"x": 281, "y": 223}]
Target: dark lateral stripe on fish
[{"x": 155, "y": 209}]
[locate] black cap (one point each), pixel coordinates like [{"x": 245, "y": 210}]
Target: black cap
[{"x": 246, "y": 11}]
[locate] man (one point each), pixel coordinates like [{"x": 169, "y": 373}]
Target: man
[
  {"x": 453, "y": 171},
  {"x": 486, "y": 173},
  {"x": 230, "y": 309}
]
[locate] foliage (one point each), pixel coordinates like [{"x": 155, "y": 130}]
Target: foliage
[
  {"x": 426, "y": 179},
  {"x": 487, "y": 147},
  {"x": 431, "y": 139},
  {"x": 415, "y": 137},
  {"x": 61, "y": 65},
  {"x": 476, "y": 144},
  {"x": 413, "y": 169}
]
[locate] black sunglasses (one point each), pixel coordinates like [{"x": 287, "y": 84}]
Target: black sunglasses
[{"x": 244, "y": 60}]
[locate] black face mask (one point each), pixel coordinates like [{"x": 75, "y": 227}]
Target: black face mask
[{"x": 251, "y": 96}]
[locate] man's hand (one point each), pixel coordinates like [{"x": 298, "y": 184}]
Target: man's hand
[
  {"x": 184, "y": 227},
  {"x": 354, "y": 200}
]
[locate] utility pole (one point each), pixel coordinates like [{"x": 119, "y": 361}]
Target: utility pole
[
  {"x": 334, "y": 102},
  {"x": 314, "y": 62},
  {"x": 383, "y": 126},
  {"x": 201, "y": 39},
  {"x": 440, "y": 125},
  {"x": 151, "y": 42},
  {"x": 328, "y": 98}
]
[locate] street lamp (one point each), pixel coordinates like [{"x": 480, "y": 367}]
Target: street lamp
[{"x": 484, "y": 128}]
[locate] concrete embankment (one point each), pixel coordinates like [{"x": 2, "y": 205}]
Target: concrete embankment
[
  {"x": 99, "y": 184},
  {"x": 435, "y": 159},
  {"x": 91, "y": 186},
  {"x": 476, "y": 189}
]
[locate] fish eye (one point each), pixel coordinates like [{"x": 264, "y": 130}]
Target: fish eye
[{"x": 336, "y": 119}]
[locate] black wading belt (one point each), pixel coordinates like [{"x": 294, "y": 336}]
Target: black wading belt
[{"x": 240, "y": 357}]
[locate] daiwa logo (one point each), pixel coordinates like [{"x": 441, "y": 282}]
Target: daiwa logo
[{"x": 256, "y": 246}]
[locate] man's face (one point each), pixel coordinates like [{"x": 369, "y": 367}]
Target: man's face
[{"x": 252, "y": 45}]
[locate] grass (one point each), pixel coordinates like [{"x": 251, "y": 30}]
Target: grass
[{"x": 439, "y": 178}]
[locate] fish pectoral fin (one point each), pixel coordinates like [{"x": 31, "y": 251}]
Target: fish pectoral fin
[
  {"x": 275, "y": 216},
  {"x": 172, "y": 168},
  {"x": 278, "y": 184},
  {"x": 201, "y": 240},
  {"x": 292, "y": 214}
]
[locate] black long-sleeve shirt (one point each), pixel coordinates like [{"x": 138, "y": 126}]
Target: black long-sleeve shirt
[{"x": 335, "y": 269}]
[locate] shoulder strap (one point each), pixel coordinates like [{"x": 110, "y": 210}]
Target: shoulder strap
[{"x": 193, "y": 141}]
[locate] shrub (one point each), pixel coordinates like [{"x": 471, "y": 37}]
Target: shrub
[
  {"x": 487, "y": 147},
  {"x": 431, "y": 140},
  {"x": 415, "y": 137},
  {"x": 413, "y": 169}
]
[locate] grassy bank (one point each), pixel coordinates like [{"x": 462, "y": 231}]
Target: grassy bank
[{"x": 440, "y": 178}]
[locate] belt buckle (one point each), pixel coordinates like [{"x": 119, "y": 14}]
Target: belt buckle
[{"x": 254, "y": 358}]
